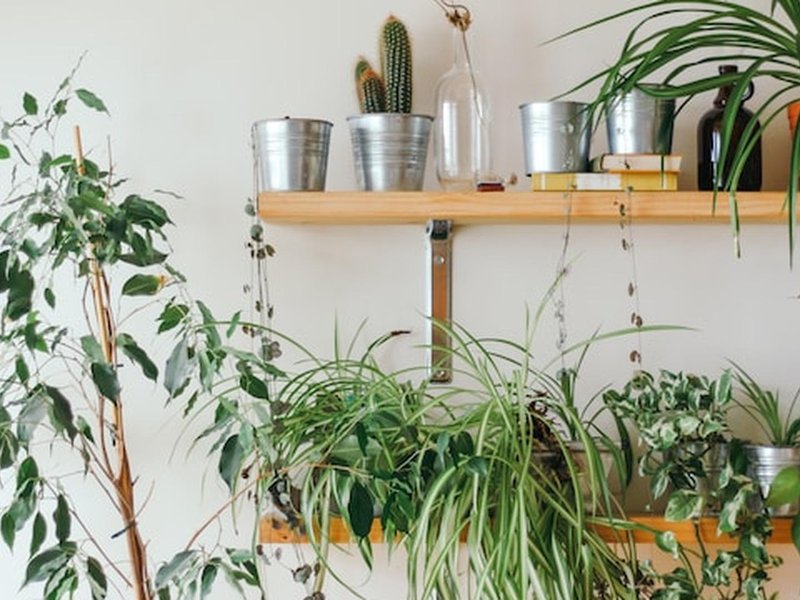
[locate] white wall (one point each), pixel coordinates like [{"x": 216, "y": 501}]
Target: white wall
[{"x": 184, "y": 81}]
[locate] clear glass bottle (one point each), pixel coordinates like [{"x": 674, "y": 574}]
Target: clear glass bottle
[
  {"x": 709, "y": 143},
  {"x": 462, "y": 126}
]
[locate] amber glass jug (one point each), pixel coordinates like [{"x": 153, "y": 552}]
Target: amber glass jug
[{"x": 709, "y": 142}]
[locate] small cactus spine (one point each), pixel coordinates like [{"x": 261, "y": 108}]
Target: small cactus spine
[
  {"x": 396, "y": 65},
  {"x": 370, "y": 88}
]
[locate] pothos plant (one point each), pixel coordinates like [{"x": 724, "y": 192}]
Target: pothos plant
[
  {"x": 681, "y": 420},
  {"x": 69, "y": 361}
]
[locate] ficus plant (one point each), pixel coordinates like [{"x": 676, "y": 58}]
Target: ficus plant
[{"x": 70, "y": 360}]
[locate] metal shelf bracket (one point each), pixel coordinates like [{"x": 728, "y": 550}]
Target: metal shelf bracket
[{"x": 440, "y": 271}]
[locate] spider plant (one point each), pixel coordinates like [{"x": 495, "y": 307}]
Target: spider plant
[
  {"x": 764, "y": 408},
  {"x": 680, "y": 43}
]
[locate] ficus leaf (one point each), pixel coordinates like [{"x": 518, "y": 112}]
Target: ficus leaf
[
  {"x": 39, "y": 533},
  {"x": 179, "y": 564},
  {"x": 4, "y": 152},
  {"x": 49, "y": 297},
  {"x": 61, "y": 413},
  {"x": 29, "y": 104},
  {"x": 97, "y": 579},
  {"x": 19, "y": 295},
  {"x": 62, "y": 519},
  {"x": 105, "y": 378},
  {"x": 177, "y": 367},
  {"x": 91, "y": 348},
  {"x": 230, "y": 461},
  {"x": 142, "y": 285},
  {"x": 171, "y": 316},
  {"x": 21, "y": 368},
  {"x": 133, "y": 351},
  {"x": 44, "y": 564},
  {"x": 91, "y": 100},
  {"x": 254, "y": 386}
]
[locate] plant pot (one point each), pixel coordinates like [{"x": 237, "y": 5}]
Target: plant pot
[
  {"x": 793, "y": 112},
  {"x": 765, "y": 464},
  {"x": 291, "y": 154},
  {"x": 390, "y": 150},
  {"x": 640, "y": 124},
  {"x": 713, "y": 456},
  {"x": 555, "y": 136}
]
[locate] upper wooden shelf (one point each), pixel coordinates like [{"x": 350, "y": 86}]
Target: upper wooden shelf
[
  {"x": 272, "y": 532},
  {"x": 354, "y": 208}
]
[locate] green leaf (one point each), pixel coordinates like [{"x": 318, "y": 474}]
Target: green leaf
[
  {"x": 60, "y": 107},
  {"x": 171, "y": 316},
  {"x": 61, "y": 413},
  {"x": 230, "y": 461},
  {"x": 91, "y": 348},
  {"x": 8, "y": 528},
  {"x": 28, "y": 471},
  {"x": 4, "y": 152},
  {"x": 20, "y": 294},
  {"x": 49, "y": 297},
  {"x": 361, "y": 511},
  {"x": 667, "y": 542},
  {"x": 90, "y": 100},
  {"x": 209, "y": 327},
  {"x": 41, "y": 566},
  {"x": 105, "y": 378},
  {"x": 254, "y": 386},
  {"x": 233, "y": 324},
  {"x": 133, "y": 351},
  {"x": 144, "y": 212},
  {"x": 478, "y": 465},
  {"x": 683, "y": 505},
  {"x": 142, "y": 285},
  {"x": 207, "y": 580},
  {"x": 21, "y": 368},
  {"x": 29, "y": 104},
  {"x": 62, "y": 519},
  {"x": 177, "y": 368},
  {"x": 39, "y": 533},
  {"x": 785, "y": 487},
  {"x": 97, "y": 579},
  {"x": 179, "y": 563}
]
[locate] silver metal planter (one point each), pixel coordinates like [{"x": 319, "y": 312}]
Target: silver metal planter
[
  {"x": 291, "y": 154},
  {"x": 765, "y": 463},
  {"x": 555, "y": 137},
  {"x": 638, "y": 123},
  {"x": 390, "y": 150}
]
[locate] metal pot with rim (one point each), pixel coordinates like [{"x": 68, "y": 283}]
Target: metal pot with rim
[{"x": 765, "y": 462}]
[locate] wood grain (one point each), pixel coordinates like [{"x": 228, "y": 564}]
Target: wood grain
[{"x": 354, "y": 208}]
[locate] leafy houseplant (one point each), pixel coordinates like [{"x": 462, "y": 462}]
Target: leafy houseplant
[
  {"x": 389, "y": 143},
  {"x": 782, "y": 449},
  {"x": 682, "y": 419},
  {"x": 680, "y": 43},
  {"x": 65, "y": 386}
]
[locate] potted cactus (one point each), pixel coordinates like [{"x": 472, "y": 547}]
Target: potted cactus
[{"x": 390, "y": 145}]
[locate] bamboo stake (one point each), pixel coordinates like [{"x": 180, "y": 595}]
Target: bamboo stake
[{"x": 123, "y": 482}]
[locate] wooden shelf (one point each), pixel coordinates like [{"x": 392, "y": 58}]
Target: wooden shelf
[
  {"x": 353, "y": 208},
  {"x": 272, "y": 532}
]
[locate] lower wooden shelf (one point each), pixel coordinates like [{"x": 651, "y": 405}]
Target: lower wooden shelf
[{"x": 275, "y": 532}]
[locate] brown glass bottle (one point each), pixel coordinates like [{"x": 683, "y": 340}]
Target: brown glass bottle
[{"x": 709, "y": 143}]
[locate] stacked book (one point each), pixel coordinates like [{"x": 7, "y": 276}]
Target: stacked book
[{"x": 642, "y": 172}]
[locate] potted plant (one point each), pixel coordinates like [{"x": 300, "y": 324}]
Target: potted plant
[
  {"x": 76, "y": 257},
  {"x": 782, "y": 431},
  {"x": 390, "y": 145},
  {"x": 682, "y": 421},
  {"x": 680, "y": 43}
]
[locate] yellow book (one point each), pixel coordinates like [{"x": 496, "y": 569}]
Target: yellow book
[{"x": 642, "y": 181}]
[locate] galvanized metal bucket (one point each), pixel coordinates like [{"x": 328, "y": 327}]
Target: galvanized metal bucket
[
  {"x": 291, "y": 154},
  {"x": 638, "y": 123},
  {"x": 765, "y": 464},
  {"x": 555, "y": 137},
  {"x": 390, "y": 150}
]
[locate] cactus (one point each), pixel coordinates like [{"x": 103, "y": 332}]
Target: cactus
[
  {"x": 392, "y": 92},
  {"x": 370, "y": 88},
  {"x": 396, "y": 65}
]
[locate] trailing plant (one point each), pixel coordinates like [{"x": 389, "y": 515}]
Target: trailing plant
[
  {"x": 682, "y": 421},
  {"x": 764, "y": 407},
  {"x": 70, "y": 362},
  {"x": 679, "y": 43},
  {"x": 391, "y": 91}
]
